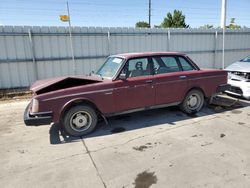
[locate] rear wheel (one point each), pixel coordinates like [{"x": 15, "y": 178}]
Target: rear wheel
[
  {"x": 193, "y": 102},
  {"x": 80, "y": 120}
]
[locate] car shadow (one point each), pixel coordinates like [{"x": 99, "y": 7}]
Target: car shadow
[
  {"x": 138, "y": 120},
  {"x": 58, "y": 135}
]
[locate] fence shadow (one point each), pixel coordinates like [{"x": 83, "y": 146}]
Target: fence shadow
[{"x": 138, "y": 120}]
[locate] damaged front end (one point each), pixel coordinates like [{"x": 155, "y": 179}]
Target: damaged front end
[
  {"x": 240, "y": 83},
  {"x": 38, "y": 112}
]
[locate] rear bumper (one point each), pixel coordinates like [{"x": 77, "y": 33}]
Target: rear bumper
[
  {"x": 40, "y": 118},
  {"x": 223, "y": 88}
]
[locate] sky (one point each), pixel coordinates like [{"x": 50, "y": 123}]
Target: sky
[{"x": 119, "y": 13}]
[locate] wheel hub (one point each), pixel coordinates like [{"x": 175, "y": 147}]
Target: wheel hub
[
  {"x": 80, "y": 121},
  {"x": 193, "y": 101}
]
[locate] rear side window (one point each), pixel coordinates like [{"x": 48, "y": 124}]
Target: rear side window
[
  {"x": 165, "y": 64},
  {"x": 185, "y": 64}
]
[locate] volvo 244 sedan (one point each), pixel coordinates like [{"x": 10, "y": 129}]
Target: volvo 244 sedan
[{"x": 124, "y": 83}]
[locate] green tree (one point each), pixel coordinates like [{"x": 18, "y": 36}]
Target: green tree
[
  {"x": 175, "y": 20},
  {"x": 233, "y": 25},
  {"x": 207, "y": 26},
  {"x": 142, "y": 24}
]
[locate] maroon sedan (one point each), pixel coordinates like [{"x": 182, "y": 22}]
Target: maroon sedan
[{"x": 125, "y": 83}]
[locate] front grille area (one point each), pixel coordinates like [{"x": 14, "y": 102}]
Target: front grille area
[
  {"x": 244, "y": 75},
  {"x": 236, "y": 90}
]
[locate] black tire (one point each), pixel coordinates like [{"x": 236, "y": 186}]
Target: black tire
[
  {"x": 80, "y": 120},
  {"x": 194, "y": 106}
]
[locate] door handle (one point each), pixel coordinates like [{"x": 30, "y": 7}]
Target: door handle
[
  {"x": 149, "y": 81},
  {"x": 108, "y": 93},
  {"x": 183, "y": 77}
]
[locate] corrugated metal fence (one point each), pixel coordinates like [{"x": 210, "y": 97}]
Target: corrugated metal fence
[{"x": 31, "y": 53}]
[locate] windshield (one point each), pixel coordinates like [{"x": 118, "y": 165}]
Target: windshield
[
  {"x": 246, "y": 59},
  {"x": 110, "y": 67}
]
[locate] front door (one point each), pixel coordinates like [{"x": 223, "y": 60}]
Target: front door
[{"x": 137, "y": 90}]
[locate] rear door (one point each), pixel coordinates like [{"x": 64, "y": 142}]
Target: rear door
[{"x": 170, "y": 80}]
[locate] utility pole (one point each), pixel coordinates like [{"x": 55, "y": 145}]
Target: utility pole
[
  {"x": 223, "y": 24},
  {"x": 149, "y": 13},
  {"x": 71, "y": 42}
]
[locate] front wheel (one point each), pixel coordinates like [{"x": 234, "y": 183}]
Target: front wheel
[
  {"x": 80, "y": 120},
  {"x": 193, "y": 102}
]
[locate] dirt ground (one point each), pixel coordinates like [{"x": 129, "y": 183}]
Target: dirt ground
[{"x": 156, "y": 148}]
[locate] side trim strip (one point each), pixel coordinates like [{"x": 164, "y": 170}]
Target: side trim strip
[
  {"x": 176, "y": 81},
  {"x": 207, "y": 77}
]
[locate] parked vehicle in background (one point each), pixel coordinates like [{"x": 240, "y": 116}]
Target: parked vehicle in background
[
  {"x": 239, "y": 78},
  {"x": 125, "y": 83}
]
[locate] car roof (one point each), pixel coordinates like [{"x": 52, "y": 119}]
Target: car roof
[{"x": 143, "y": 54}]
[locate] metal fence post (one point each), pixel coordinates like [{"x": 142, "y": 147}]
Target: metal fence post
[
  {"x": 33, "y": 55},
  {"x": 215, "y": 48},
  {"x": 168, "y": 40},
  {"x": 109, "y": 43}
]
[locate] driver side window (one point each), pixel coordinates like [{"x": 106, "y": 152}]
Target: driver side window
[{"x": 137, "y": 67}]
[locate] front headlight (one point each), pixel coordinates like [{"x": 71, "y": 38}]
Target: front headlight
[{"x": 35, "y": 106}]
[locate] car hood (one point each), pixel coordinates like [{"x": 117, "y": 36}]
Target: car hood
[
  {"x": 58, "y": 83},
  {"x": 239, "y": 67}
]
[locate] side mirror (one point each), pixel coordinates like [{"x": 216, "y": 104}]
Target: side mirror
[{"x": 123, "y": 76}]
